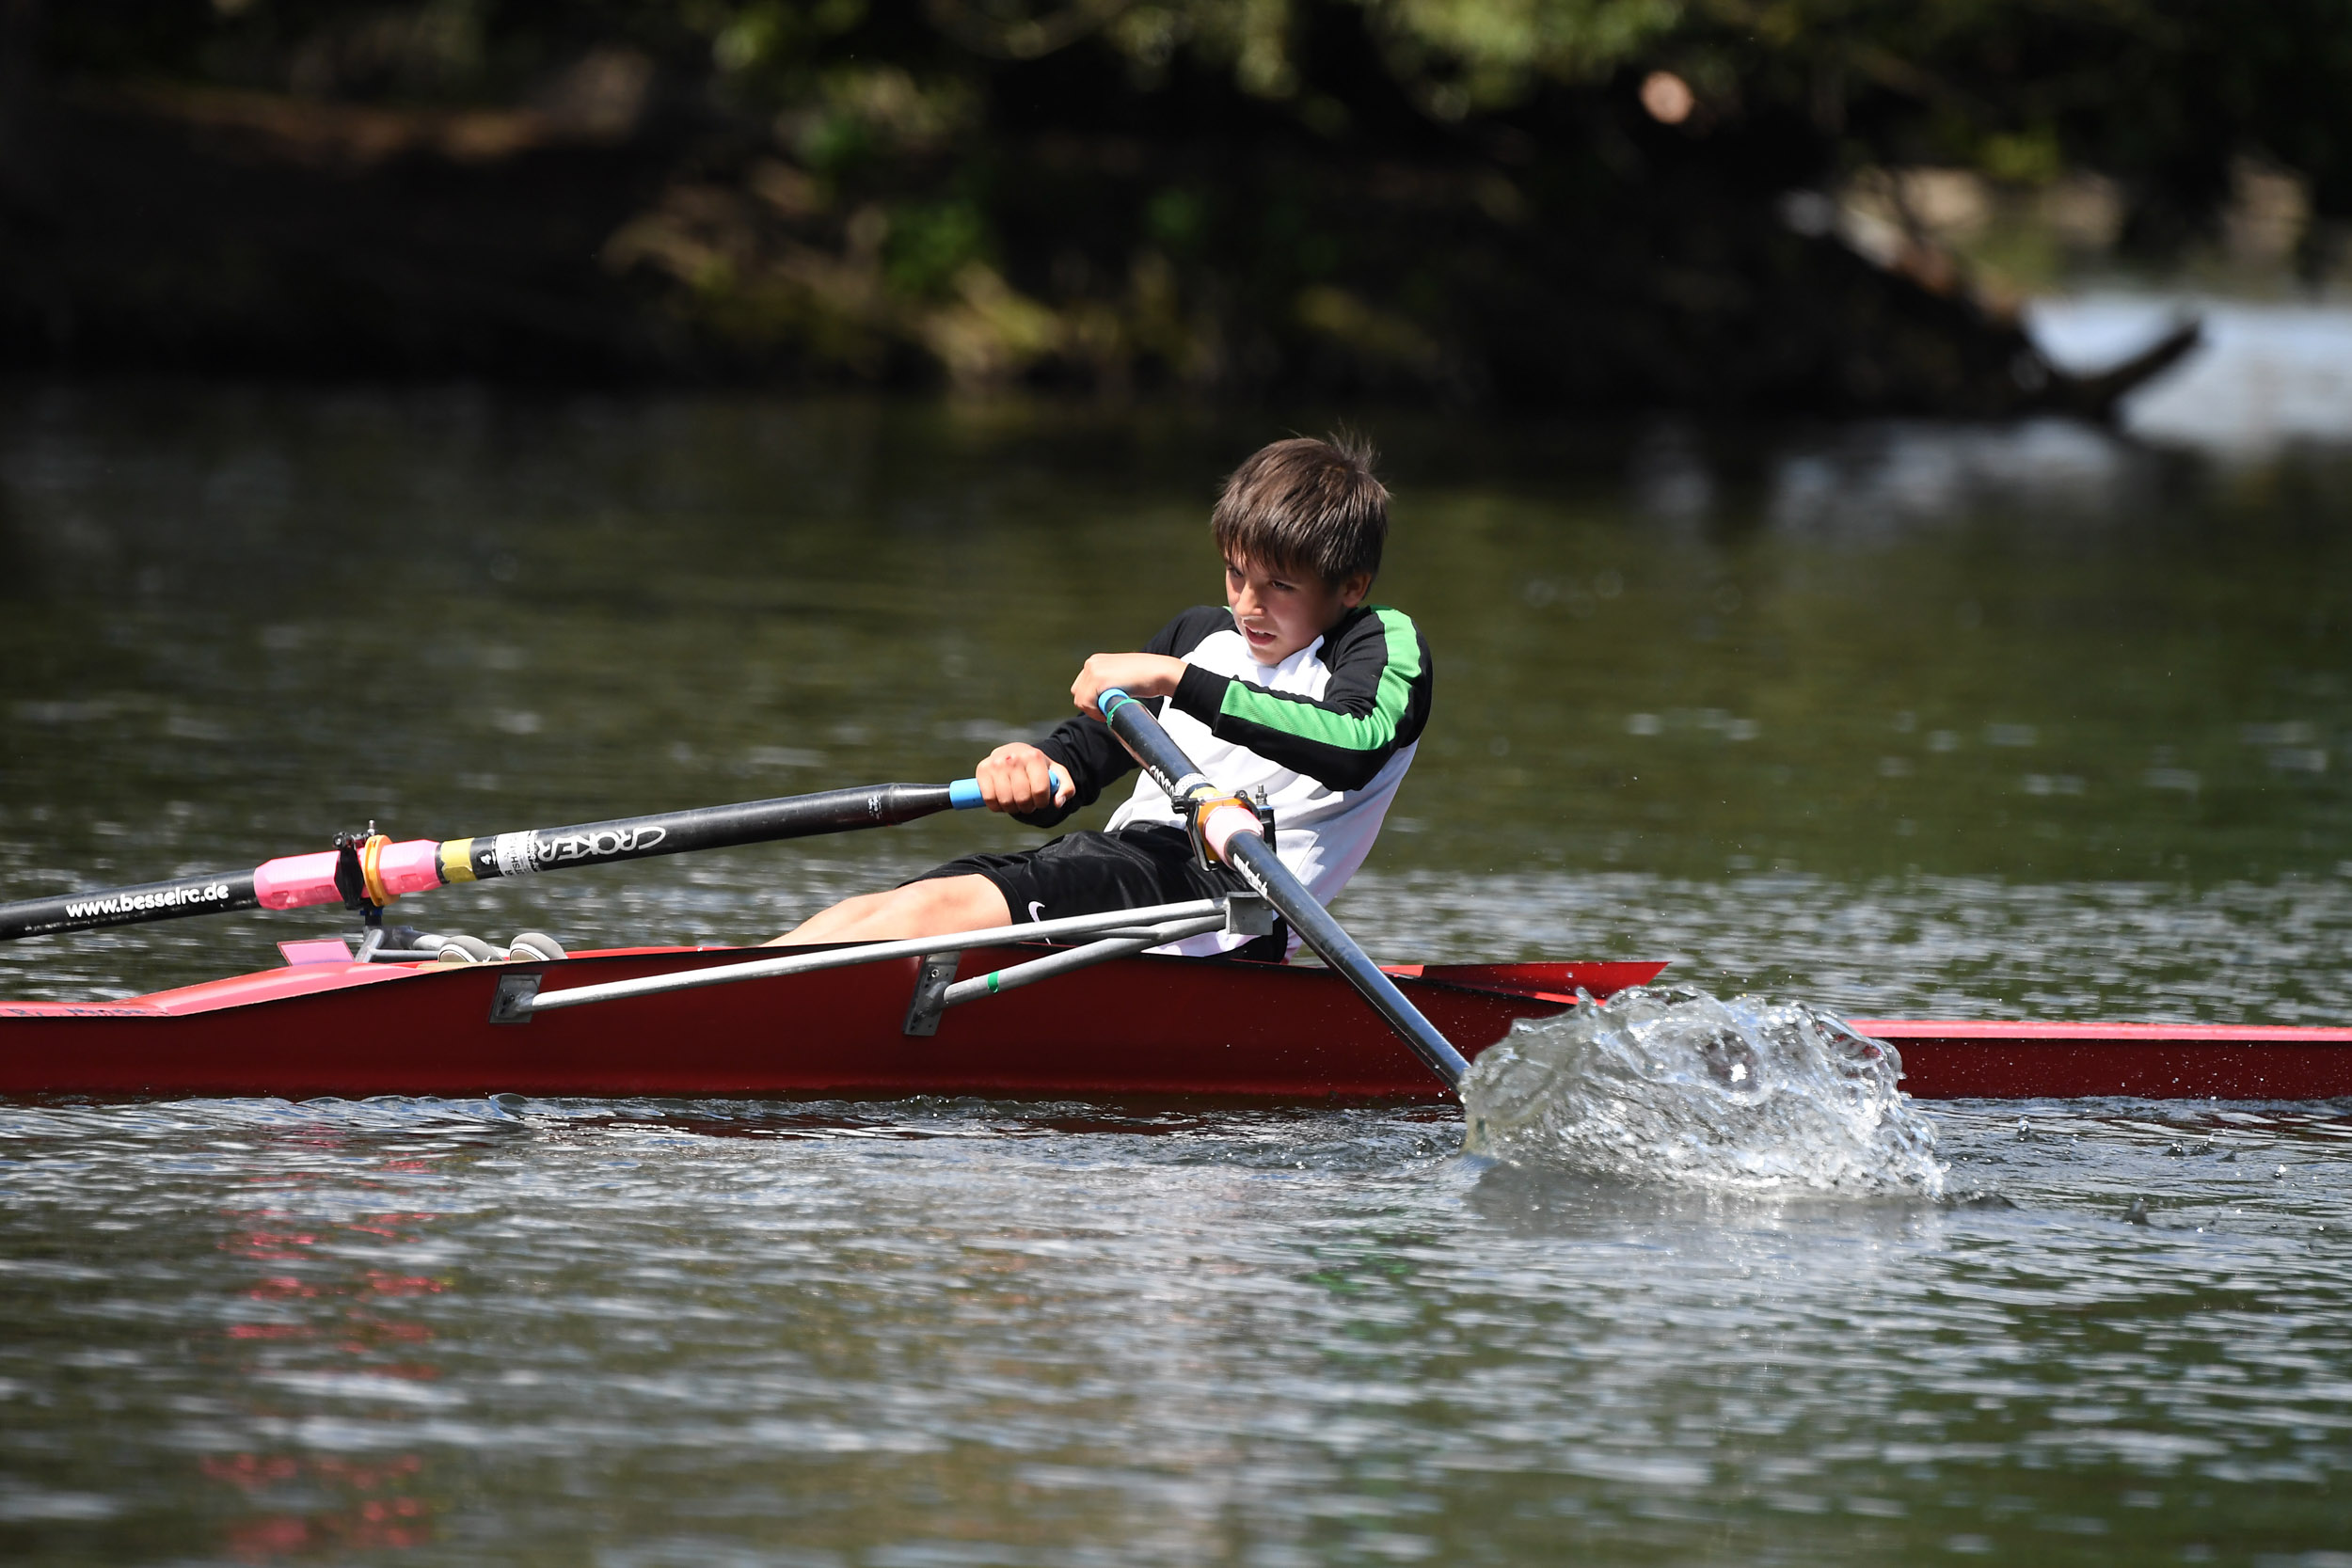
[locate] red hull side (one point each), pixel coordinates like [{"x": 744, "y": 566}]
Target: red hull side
[
  {"x": 2154, "y": 1061},
  {"x": 1151, "y": 1026},
  {"x": 1137, "y": 1026}
]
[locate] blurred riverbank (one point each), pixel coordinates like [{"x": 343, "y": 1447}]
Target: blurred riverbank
[{"x": 1618, "y": 206}]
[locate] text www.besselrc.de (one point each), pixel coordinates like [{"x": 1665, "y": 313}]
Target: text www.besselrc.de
[{"x": 164, "y": 898}]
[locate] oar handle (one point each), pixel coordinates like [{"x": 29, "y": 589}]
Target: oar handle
[
  {"x": 1234, "y": 835},
  {"x": 964, "y": 793}
]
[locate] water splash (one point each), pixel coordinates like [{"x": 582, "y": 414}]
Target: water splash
[{"x": 1670, "y": 1083}]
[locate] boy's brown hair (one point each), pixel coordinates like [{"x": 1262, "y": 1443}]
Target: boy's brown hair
[{"x": 1304, "y": 505}]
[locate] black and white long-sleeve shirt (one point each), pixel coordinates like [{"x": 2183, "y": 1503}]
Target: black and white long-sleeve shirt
[{"x": 1328, "y": 734}]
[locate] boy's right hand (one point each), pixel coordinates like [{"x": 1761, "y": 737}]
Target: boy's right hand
[{"x": 1018, "y": 778}]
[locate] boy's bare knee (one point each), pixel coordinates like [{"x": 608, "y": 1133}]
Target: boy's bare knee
[
  {"x": 826, "y": 923},
  {"x": 944, "y": 904},
  {"x": 933, "y": 907}
]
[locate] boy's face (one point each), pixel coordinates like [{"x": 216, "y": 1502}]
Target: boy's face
[{"x": 1280, "y": 612}]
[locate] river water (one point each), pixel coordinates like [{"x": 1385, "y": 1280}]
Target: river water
[{"x": 1885, "y": 719}]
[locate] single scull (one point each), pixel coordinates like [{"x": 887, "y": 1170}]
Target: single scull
[
  {"x": 941, "y": 1016},
  {"x": 1162, "y": 1026}
]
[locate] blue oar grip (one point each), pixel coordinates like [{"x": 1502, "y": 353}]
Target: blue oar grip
[
  {"x": 964, "y": 793},
  {"x": 1107, "y": 702}
]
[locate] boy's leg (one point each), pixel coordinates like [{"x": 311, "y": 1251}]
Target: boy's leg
[
  {"x": 1082, "y": 872},
  {"x": 926, "y": 909}
]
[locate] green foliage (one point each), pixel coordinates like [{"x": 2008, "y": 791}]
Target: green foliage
[
  {"x": 1177, "y": 218},
  {"x": 853, "y": 114},
  {"x": 2163, "y": 95},
  {"x": 1486, "y": 198},
  {"x": 2030, "y": 158},
  {"x": 1474, "y": 55},
  {"x": 929, "y": 244}
]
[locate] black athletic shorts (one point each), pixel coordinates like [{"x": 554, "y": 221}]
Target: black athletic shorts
[{"x": 1092, "y": 873}]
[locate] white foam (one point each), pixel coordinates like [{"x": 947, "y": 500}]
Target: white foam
[{"x": 1670, "y": 1085}]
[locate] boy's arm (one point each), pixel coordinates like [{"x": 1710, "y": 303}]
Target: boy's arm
[
  {"x": 1377, "y": 700},
  {"x": 1086, "y": 746}
]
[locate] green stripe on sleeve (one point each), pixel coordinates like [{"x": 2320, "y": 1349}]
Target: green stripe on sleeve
[{"x": 1306, "y": 720}]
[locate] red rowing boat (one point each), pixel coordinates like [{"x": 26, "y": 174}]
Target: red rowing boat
[
  {"x": 892, "y": 1018},
  {"x": 1183, "y": 1026}
]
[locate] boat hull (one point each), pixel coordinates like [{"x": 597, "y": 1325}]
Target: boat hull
[
  {"x": 1142, "y": 1026},
  {"x": 2150, "y": 1061},
  {"x": 1145, "y": 1026}
]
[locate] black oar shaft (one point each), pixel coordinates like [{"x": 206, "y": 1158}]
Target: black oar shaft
[
  {"x": 302, "y": 881},
  {"x": 1256, "y": 862},
  {"x": 1165, "y": 762},
  {"x": 630, "y": 838},
  {"x": 211, "y": 894}
]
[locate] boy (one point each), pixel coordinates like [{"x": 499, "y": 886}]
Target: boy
[{"x": 1297, "y": 687}]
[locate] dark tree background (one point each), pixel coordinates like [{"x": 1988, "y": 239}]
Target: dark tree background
[{"x": 1568, "y": 202}]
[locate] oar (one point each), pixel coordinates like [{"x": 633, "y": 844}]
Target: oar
[
  {"x": 1233, "y": 833},
  {"x": 373, "y": 869}
]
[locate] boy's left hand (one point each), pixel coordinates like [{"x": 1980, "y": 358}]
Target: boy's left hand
[{"x": 1139, "y": 675}]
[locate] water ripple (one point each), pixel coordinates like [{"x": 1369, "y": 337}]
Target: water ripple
[{"x": 1081, "y": 1333}]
